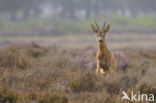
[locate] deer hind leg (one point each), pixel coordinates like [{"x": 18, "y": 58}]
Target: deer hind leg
[{"x": 113, "y": 71}]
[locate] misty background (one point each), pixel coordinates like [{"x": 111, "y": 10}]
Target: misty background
[{"x": 52, "y": 18}]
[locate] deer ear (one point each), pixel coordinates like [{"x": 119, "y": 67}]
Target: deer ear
[
  {"x": 94, "y": 28},
  {"x": 106, "y": 29}
]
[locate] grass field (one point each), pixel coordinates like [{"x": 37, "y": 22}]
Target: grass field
[
  {"x": 115, "y": 41},
  {"x": 62, "y": 69}
]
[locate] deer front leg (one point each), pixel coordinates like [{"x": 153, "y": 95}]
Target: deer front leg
[
  {"x": 102, "y": 72},
  {"x": 98, "y": 67}
]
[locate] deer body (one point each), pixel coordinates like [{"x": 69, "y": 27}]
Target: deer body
[{"x": 105, "y": 59}]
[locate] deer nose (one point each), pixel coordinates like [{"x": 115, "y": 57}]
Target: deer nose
[{"x": 100, "y": 41}]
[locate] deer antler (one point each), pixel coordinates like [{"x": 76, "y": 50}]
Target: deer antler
[
  {"x": 104, "y": 25},
  {"x": 97, "y": 26}
]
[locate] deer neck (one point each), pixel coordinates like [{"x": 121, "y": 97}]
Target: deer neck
[{"x": 102, "y": 48}]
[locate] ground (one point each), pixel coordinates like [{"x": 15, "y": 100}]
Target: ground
[{"x": 62, "y": 69}]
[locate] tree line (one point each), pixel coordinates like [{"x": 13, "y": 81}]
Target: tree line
[{"x": 73, "y": 8}]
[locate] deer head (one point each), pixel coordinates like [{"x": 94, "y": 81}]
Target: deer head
[{"x": 100, "y": 34}]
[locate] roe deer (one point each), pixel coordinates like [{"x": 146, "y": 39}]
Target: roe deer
[{"x": 105, "y": 59}]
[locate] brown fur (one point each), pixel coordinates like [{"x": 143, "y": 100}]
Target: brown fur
[{"x": 104, "y": 57}]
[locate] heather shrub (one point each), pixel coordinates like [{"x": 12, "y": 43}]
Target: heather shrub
[
  {"x": 128, "y": 81},
  {"x": 8, "y": 96},
  {"x": 53, "y": 99},
  {"x": 146, "y": 88},
  {"x": 114, "y": 84},
  {"x": 14, "y": 57},
  {"x": 83, "y": 62},
  {"x": 79, "y": 61},
  {"x": 60, "y": 60},
  {"x": 122, "y": 60},
  {"x": 112, "y": 87},
  {"x": 147, "y": 54},
  {"x": 61, "y": 86},
  {"x": 35, "y": 50},
  {"x": 40, "y": 97},
  {"x": 102, "y": 97},
  {"x": 87, "y": 82}
]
